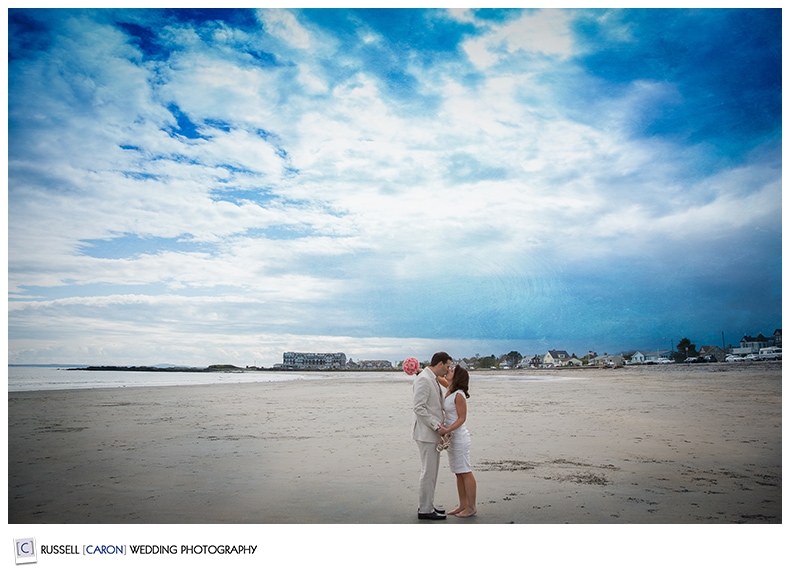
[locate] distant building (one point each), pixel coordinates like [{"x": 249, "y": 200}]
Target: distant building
[
  {"x": 530, "y": 362},
  {"x": 755, "y": 343},
  {"x": 712, "y": 351},
  {"x": 606, "y": 360},
  {"x": 321, "y": 361},
  {"x": 374, "y": 365},
  {"x": 556, "y": 358},
  {"x": 749, "y": 345},
  {"x": 642, "y": 357}
]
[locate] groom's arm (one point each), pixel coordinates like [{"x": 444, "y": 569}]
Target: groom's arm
[{"x": 422, "y": 391}]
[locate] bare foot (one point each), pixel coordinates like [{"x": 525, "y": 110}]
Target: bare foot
[
  {"x": 456, "y": 511},
  {"x": 466, "y": 513}
]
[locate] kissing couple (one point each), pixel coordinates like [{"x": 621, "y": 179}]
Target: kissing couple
[{"x": 440, "y": 394}]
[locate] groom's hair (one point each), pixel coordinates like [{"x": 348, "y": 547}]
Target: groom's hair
[{"x": 440, "y": 357}]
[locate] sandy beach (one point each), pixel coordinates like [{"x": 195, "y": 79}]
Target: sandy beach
[{"x": 677, "y": 444}]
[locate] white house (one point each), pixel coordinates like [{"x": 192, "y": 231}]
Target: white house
[
  {"x": 653, "y": 356},
  {"x": 754, "y": 344}
]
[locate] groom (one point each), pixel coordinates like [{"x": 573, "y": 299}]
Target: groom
[{"x": 428, "y": 429}]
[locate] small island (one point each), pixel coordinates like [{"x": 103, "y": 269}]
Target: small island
[{"x": 169, "y": 369}]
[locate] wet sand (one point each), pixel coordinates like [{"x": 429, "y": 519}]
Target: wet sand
[{"x": 676, "y": 444}]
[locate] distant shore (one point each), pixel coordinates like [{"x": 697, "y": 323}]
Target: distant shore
[
  {"x": 209, "y": 369},
  {"x": 236, "y": 369},
  {"x": 214, "y": 369}
]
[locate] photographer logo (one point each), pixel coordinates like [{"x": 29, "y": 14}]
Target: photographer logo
[{"x": 25, "y": 550}]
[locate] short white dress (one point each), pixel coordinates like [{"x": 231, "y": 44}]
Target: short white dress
[{"x": 458, "y": 453}]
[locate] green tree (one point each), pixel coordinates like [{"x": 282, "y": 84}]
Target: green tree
[
  {"x": 512, "y": 358},
  {"x": 685, "y": 349},
  {"x": 486, "y": 362}
]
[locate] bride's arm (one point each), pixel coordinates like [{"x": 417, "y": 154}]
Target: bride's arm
[{"x": 460, "y": 406}]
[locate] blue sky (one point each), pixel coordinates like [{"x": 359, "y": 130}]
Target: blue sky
[{"x": 211, "y": 186}]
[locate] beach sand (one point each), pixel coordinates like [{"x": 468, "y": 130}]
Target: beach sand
[{"x": 676, "y": 444}]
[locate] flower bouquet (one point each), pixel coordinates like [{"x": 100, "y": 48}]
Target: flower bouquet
[{"x": 411, "y": 366}]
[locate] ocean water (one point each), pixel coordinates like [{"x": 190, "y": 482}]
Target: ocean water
[
  {"x": 55, "y": 378},
  {"x": 63, "y": 378}
]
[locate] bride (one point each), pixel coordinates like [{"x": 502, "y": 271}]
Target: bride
[{"x": 458, "y": 451}]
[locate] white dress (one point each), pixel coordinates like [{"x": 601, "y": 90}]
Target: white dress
[{"x": 458, "y": 453}]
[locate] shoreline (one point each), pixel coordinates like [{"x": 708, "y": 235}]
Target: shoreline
[{"x": 515, "y": 371}]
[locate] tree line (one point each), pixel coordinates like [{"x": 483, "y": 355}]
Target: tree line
[{"x": 684, "y": 349}]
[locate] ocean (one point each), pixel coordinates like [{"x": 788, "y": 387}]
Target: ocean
[
  {"x": 46, "y": 378},
  {"x": 51, "y": 378}
]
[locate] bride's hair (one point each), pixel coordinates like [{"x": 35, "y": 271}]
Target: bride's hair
[{"x": 460, "y": 381}]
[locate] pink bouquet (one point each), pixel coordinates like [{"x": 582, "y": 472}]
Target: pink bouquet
[{"x": 411, "y": 366}]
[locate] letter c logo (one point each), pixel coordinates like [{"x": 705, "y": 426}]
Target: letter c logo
[{"x": 25, "y": 550}]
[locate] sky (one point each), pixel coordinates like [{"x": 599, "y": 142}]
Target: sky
[{"x": 196, "y": 187}]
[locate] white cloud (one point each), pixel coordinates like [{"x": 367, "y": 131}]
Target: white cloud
[
  {"x": 545, "y": 32},
  {"x": 336, "y": 191},
  {"x": 286, "y": 27}
]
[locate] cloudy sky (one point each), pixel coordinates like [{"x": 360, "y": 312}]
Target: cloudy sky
[{"x": 211, "y": 186}]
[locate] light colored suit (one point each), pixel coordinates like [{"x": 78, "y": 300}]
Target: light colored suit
[
  {"x": 428, "y": 415},
  {"x": 428, "y": 411}
]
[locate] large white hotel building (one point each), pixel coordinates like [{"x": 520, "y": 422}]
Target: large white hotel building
[{"x": 292, "y": 360}]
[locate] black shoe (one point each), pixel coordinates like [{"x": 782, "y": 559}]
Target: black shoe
[
  {"x": 439, "y": 510},
  {"x": 431, "y": 516}
]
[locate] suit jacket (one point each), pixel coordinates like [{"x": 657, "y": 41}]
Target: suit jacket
[{"x": 428, "y": 412}]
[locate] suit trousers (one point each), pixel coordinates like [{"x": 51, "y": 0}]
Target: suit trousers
[{"x": 429, "y": 458}]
